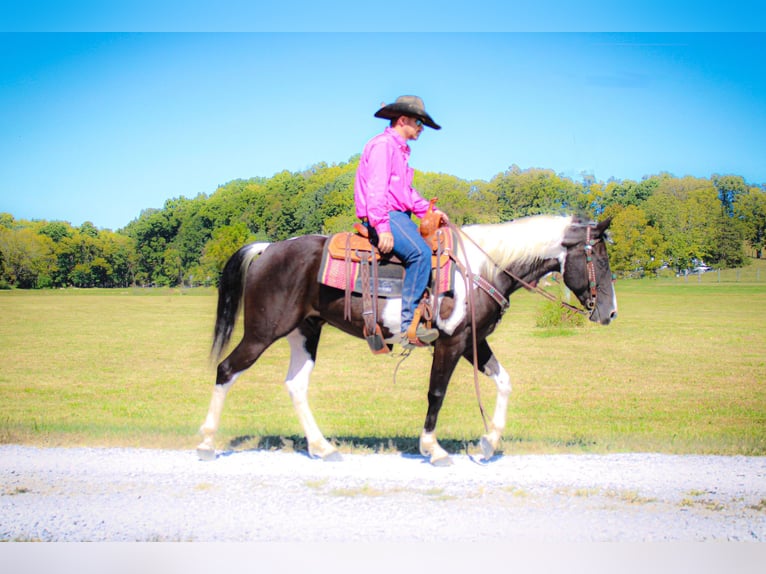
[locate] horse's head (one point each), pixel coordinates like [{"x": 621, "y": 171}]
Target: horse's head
[{"x": 586, "y": 269}]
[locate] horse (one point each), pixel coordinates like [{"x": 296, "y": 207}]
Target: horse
[{"x": 277, "y": 285}]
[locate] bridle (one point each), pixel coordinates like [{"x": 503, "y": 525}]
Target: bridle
[{"x": 591, "y": 269}]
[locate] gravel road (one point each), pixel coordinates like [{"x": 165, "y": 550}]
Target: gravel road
[{"x": 119, "y": 494}]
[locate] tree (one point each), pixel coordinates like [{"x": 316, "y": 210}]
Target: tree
[
  {"x": 709, "y": 228},
  {"x": 152, "y": 232},
  {"x": 726, "y": 249},
  {"x": 88, "y": 229},
  {"x": 729, "y": 188},
  {"x": 81, "y": 276},
  {"x": 56, "y": 230},
  {"x": 285, "y": 192},
  {"x": 750, "y": 210},
  {"x": 172, "y": 271},
  {"x": 6, "y": 220},
  {"x": 591, "y": 198},
  {"x": 629, "y": 192},
  {"x": 120, "y": 252},
  {"x": 637, "y": 248},
  {"x": 680, "y": 211},
  {"x": 531, "y": 192},
  {"x": 25, "y": 257},
  {"x": 329, "y": 193},
  {"x": 225, "y": 241},
  {"x": 465, "y": 202}
]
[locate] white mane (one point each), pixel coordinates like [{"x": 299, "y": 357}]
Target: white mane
[{"x": 520, "y": 241}]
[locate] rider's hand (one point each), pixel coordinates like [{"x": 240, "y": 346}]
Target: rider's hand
[{"x": 385, "y": 241}]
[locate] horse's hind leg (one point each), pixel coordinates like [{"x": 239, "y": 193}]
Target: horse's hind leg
[
  {"x": 206, "y": 449},
  {"x": 303, "y": 348},
  {"x": 240, "y": 359}
]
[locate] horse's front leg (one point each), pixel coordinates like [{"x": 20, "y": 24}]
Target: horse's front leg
[
  {"x": 446, "y": 356},
  {"x": 303, "y": 347},
  {"x": 490, "y": 366}
]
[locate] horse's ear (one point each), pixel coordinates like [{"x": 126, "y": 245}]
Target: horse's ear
[
  {"x": 576, "y": 232},
  {"x": 602, "y": 226}
]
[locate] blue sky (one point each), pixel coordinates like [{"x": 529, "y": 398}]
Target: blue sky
[{"x": 121, "y": 113}]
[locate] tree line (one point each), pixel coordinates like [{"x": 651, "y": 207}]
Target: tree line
[{"x": 660, "y": 222}]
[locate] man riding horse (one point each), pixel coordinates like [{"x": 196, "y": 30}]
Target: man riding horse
[
  {"x": 385, "y": 201},
  {"x": 276, "y": 286}
]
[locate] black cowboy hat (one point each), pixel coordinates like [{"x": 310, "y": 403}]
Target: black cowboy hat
[{"x": 407, "y": 106}]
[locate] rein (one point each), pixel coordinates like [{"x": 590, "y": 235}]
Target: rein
[{"x": 468, "y": 276}]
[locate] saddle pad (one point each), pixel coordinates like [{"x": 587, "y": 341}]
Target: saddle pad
[{"x": 335, "y": 272}]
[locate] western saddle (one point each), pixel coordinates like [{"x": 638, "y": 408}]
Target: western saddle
[{"x": 355, "y": 248}]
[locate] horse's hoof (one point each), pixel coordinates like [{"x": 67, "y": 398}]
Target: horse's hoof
[
  {"x": 441, "y": 461},
  {"x": 334, "y": 456},
  {"x": 324, "y": 451},
  {"x": 487, "y": 450},
  {"x": 205, "y": 454}
]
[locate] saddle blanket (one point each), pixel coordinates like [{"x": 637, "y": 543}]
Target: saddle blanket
[{"x": 337, "y": 272}]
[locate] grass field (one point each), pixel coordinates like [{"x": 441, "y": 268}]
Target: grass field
[{"x": 682, "y": 370}]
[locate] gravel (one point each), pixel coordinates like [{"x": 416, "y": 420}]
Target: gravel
[{"x": 120, "y": 494}]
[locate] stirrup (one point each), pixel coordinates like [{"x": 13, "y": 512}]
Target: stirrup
[
  {"x": 375, "y": 341},
  {"x": 422, "y": 337}
]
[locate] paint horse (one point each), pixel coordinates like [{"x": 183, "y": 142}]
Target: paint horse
[{"x": 277, "y": 284}]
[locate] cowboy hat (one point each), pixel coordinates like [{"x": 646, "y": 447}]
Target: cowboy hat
[{"x": 407, "y": 106}]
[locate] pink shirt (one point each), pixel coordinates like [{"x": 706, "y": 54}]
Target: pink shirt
[{"x": 384, "y": 181}]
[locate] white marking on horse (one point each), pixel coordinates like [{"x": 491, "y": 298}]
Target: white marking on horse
[
  {"x": 301, "y": 365},
  {"x": 297, "y": 383},
  {"x": 252, "y": 251},
  {"x": 391, "y": 318},
  {"x": 459, "y": 311},
  {"x": 213, "y": 418},
  {"x": 494, "y": 369}
]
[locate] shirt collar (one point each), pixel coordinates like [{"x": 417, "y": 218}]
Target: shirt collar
[{"x": 401, "y": 142}]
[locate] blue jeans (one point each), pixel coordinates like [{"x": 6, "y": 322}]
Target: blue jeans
[{"x": 415, "y": 253}]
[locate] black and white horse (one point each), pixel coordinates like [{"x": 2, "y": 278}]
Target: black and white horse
[{"x": 277, "y": 284}]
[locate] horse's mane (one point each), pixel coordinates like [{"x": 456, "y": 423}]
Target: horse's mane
[{"x": 521, "y": 241}]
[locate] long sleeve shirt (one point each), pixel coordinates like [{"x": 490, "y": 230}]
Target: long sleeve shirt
[{"x": 384, "y": 181}]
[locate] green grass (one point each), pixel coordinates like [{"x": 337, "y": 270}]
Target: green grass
[{"x": 681, "y": 370}]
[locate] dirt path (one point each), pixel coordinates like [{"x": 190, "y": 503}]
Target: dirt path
[{"x": 88, "y": 494}]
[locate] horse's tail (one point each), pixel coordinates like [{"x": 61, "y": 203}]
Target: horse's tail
[{"x": 230, "y": 293}]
